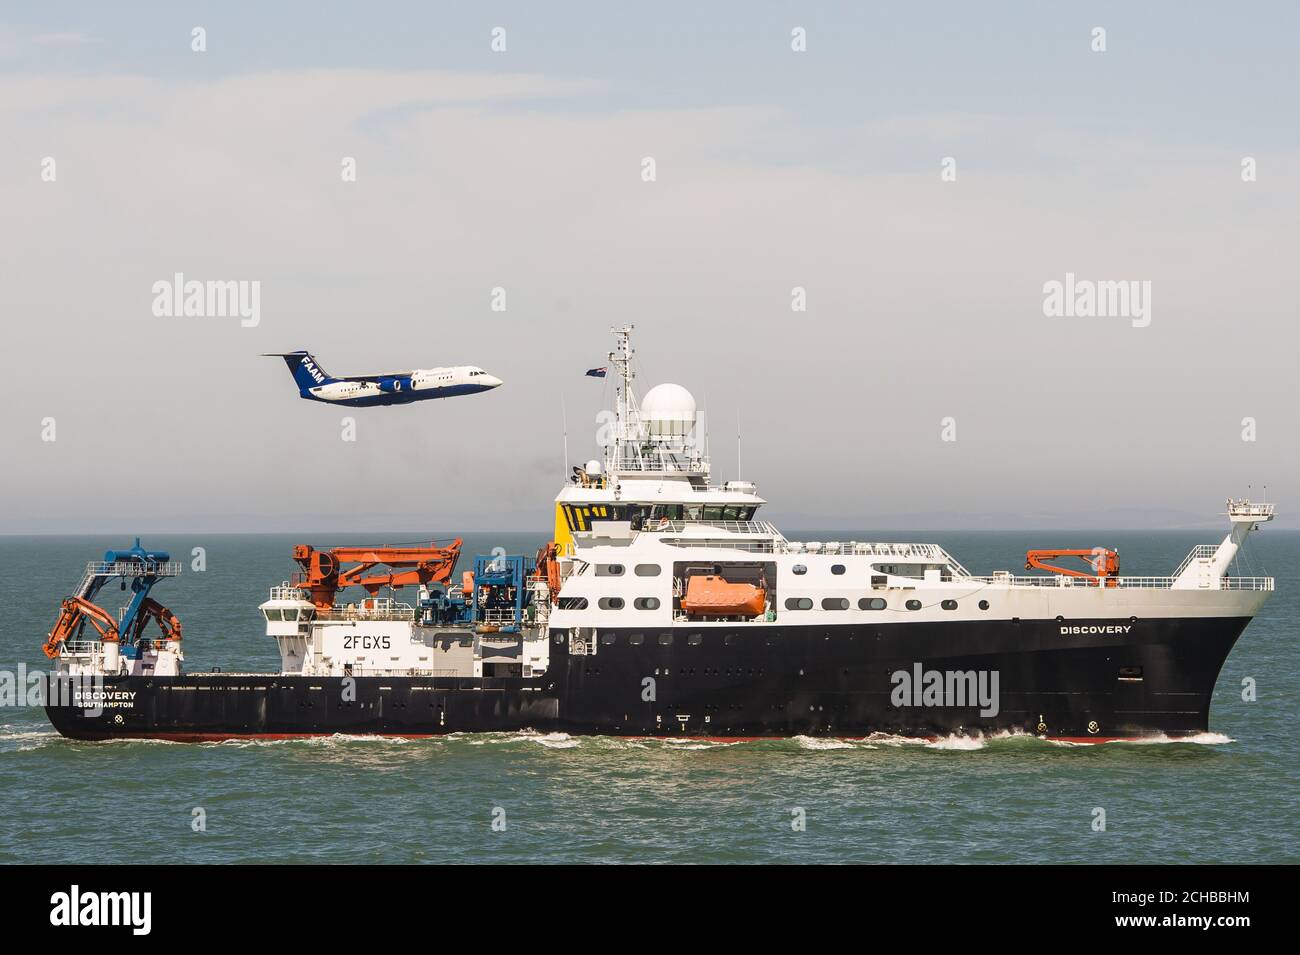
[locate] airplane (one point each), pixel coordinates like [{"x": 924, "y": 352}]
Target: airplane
[{"x": 394, "y": 388}]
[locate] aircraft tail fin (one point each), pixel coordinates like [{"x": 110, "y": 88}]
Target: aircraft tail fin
[{"x": 304, "y": 367}]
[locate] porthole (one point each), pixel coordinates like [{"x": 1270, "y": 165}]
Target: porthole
[
  {"x": 913, "y": 605},
  {"x": 665, "y": 639},
  {"x": 835, "y": 603},
  {"x": 837, "y": 569},
  {"x": 984, "y": 605},
  {"x": 636, "y": 639},
  {"x": 611, "y": 603},
  {"x": 646, "y": 603},
  {"x": 798, "y": 603},
  {"x": 949, "y": 605},
  {"x": 695, "y": 639},
  {"x": 648, "y": 570},
  {"x": 799, "y": 569},
  {"x": 608, "y": 639},
  {"x": 872, "y": 603}
]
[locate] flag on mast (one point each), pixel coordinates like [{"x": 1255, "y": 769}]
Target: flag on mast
[{"x": 596, "y": 372}]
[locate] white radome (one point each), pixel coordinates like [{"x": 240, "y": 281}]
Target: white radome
[{"x": 668, "y": 410}]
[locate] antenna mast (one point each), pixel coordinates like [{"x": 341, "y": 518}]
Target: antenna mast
[
  {"x": 564, "y": 424},
  {"x": 621, "y": 359}
]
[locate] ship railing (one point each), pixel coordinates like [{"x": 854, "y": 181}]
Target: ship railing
[
  {"x": 81, "y": 648},
  {"x": 667, "y": 526},
  {"x": 287, "y": 591},
  {"x": 659, "y": 458},
  {"x": 1247, "y": 509},
  {"x": 928, "y": 552},
  {"x": 1136, "y": 583},
  {"x": 133, "y": 568},
  {"x": 383, "y": 609},
  {"x": 1246, "y": 583},
  {"x": 1199, "y": 552}
]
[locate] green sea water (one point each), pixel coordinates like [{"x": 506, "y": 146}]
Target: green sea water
[{"x": 1233, "y": 796}]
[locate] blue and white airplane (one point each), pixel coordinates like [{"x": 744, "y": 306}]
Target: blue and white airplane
[{"x": 395, "y": 388}]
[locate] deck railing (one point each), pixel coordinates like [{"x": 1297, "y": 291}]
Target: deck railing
[
  {"x": 383, "y": 610},
  {"x": 731, "y": 527},
  {"x": 1138, "y": 583},
  {"x": 134, "y": 568},
  {"x": 1199, "y": 552}
]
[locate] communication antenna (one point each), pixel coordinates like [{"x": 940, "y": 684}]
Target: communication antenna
[
  {"x": 564, "y": 424},
  {"x": 737, "y": 444},
  {"x": 707, "y": 424}
]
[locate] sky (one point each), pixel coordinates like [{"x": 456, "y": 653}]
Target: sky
[{"x": 921, "y": 171}]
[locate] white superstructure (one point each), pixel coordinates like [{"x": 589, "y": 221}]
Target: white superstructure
[{"x": 633, "y": 529}]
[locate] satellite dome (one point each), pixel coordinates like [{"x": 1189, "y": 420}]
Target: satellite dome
[
  {"x": 592, "y": 468},
  {"x": 668, "y": 411}
]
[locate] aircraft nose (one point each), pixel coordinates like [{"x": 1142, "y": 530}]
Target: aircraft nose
[{"x": 492, "y": 381}]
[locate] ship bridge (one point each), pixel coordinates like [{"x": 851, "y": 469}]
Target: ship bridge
[{"x": 654, "y": 473}]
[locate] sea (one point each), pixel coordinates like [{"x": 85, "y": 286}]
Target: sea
[{"x": 1230, "y": 796}]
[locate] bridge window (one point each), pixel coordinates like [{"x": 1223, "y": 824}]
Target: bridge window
[
  {"x": 835, "y": 603},
  {"x": 611, "y": 603},
  {"x": 648, "y": 570},
  {"x": 872, "y": 603},
  {"x": 646, "y": 603},
  {"x": 798, "y": 603}
]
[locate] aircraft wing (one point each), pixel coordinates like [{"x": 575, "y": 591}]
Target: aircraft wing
[{"x": 375, "y": 378}]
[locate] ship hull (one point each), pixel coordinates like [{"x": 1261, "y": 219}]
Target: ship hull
[{"x": 1096, "y": 681}]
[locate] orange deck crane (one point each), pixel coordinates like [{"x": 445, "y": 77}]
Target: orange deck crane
[
  {"x": 74, "y": 612},
  {"x": 1104, "y": 564},
  {"x": 323, "y": 573}
]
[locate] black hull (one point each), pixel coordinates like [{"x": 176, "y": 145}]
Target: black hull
[{"x": 1156, "y": 678}]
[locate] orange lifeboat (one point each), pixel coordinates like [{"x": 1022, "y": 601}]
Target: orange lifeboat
[{"x": 707, "y": 595}]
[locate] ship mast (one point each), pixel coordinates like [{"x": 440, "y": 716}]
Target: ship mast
[{"x": 625, "y": 417}]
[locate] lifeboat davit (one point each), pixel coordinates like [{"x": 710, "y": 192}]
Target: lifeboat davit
[{"x": 707, "y": 595}]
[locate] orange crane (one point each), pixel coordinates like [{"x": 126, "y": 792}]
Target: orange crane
[
  {"x": 72, "y": 614},
  {"x": 323, "y": 572},
  {"x": 1104, "y": 563}
]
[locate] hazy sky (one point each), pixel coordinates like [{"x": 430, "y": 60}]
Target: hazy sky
[{"x": 522, "y": 170}]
